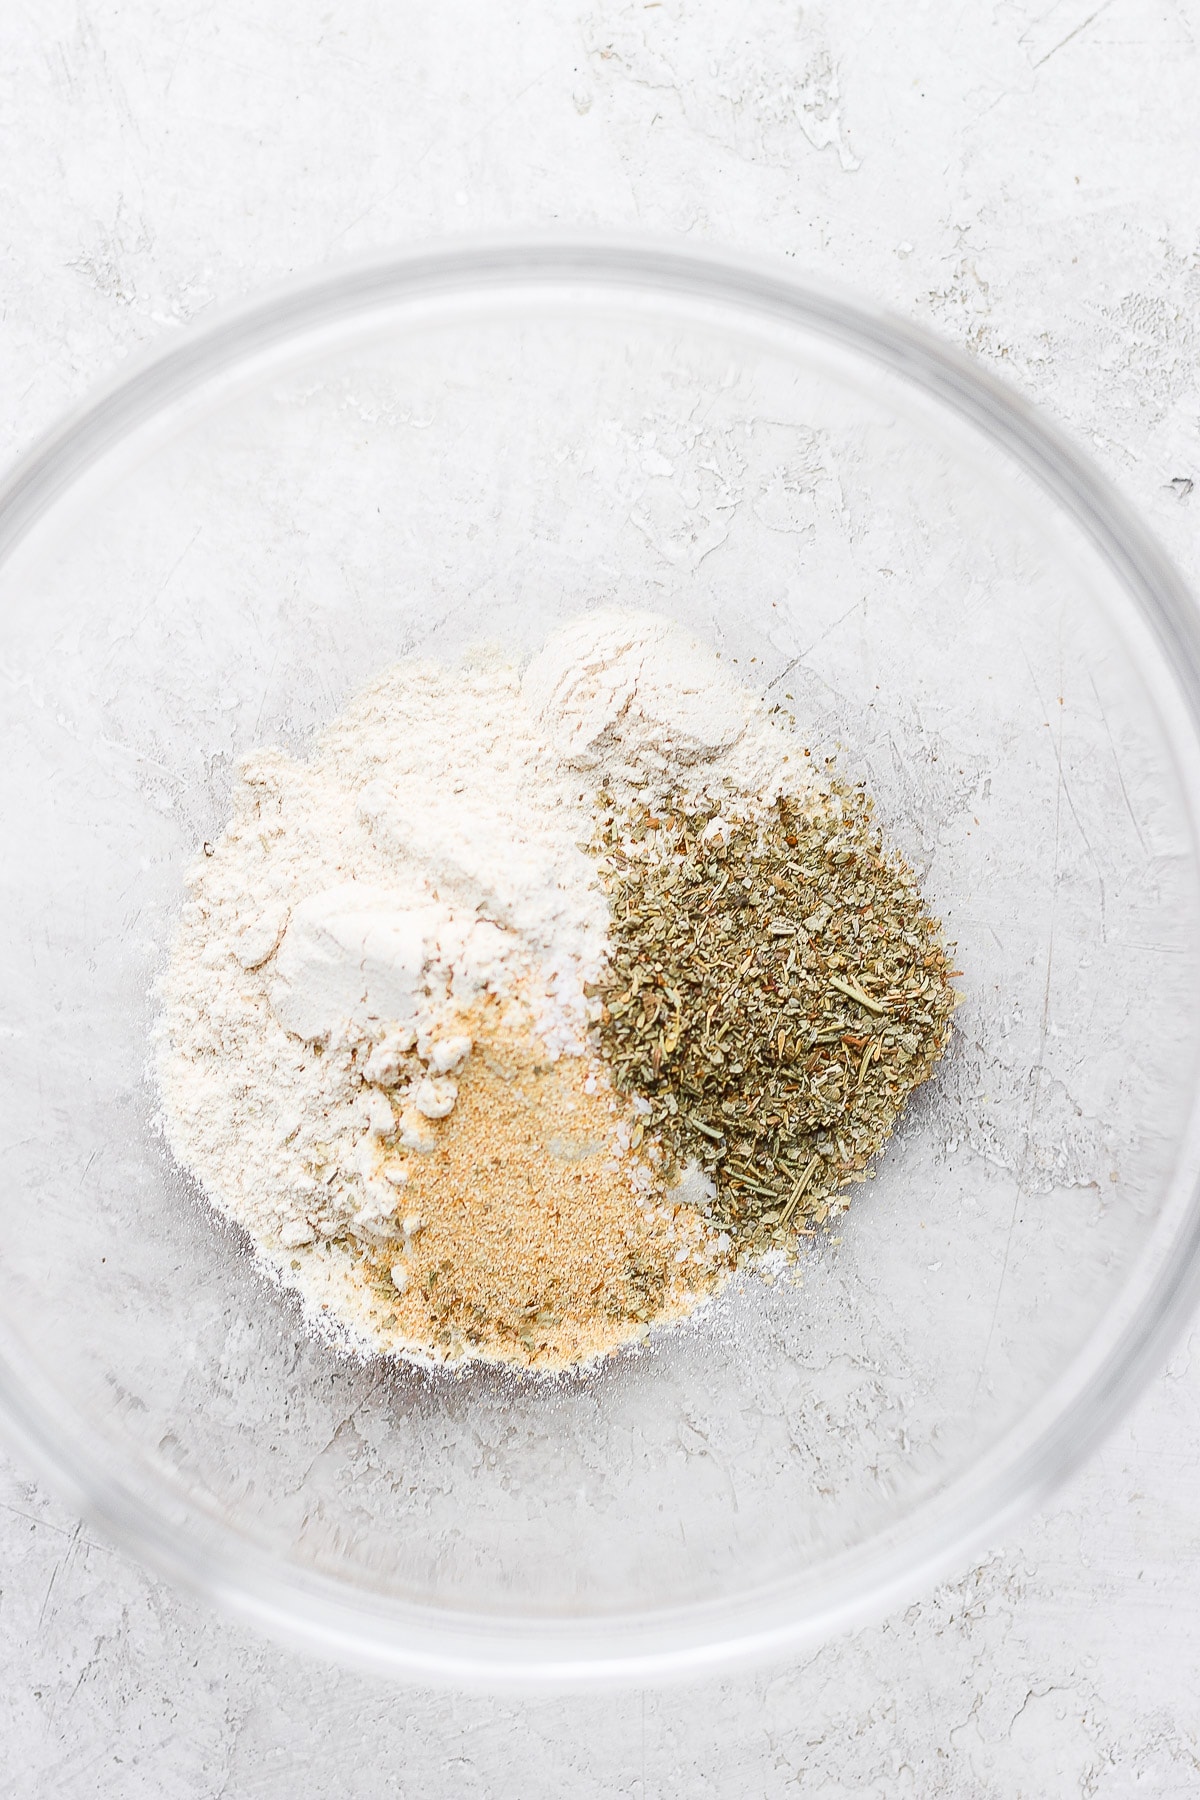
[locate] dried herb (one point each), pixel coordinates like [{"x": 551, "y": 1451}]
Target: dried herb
[{"x": 775, "y": 992}]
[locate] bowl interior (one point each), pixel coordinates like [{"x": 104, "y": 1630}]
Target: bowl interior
[{"x": 420, "y": 477}]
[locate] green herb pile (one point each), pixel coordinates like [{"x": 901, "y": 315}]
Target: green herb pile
[{"x": 775, "y": 992}]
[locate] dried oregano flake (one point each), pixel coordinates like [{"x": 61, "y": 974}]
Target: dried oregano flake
[{"x": 775, "y": 991}]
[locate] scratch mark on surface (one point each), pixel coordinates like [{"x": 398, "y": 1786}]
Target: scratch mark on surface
[
  {"x": 42, "y": 1524},
  {"x": 128, "y": 636},
  {"x": 500, "y": 110},
  {"x": 809, "y": 648},
  {"x": 1133, "y": 818},
  {"x": 1004, "y": 94},
  {"x": 1039, "y": 1076},
  {"x": 183, "y": 43},
  {"x": 1065, "y": 793},
  {"x": 60, "y": 1565},
  {"x": 92, "y": 1663},
  {"x": 1063, "y": 42},
  {"x": 438, "y": 143},
  {"x": 262, "y": 706}
]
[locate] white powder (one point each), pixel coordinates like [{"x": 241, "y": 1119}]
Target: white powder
[
  {"x": 427, "y": 852},
  {"x": 636, "y": 698}
]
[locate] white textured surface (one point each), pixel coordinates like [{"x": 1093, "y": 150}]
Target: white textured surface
[{"x": 1023, "y": 178}]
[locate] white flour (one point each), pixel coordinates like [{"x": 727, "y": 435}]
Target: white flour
[
  {"x": 428, "y": 851},
  {"x": 637, "y": 700}
]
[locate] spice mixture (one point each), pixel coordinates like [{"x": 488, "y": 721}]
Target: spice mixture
[
  {"x": 526, "y": 1006},
  {"x": 775, "y": 990},
  {"x": 533, "y": 1230}
]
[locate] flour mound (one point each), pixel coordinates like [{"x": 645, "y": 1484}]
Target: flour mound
[
  {"x": 639, "y": 699},
  {"x": 628, "y": 687},
  {"x": 425, "y": 861}
]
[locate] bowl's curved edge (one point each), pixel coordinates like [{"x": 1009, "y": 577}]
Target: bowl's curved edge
[{"x": 1030, "y": 1461}]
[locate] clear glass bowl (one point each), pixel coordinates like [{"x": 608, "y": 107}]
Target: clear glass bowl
[{"x": 476, "y": 442}]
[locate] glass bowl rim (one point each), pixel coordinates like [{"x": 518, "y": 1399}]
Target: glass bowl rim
[{"x": 1029, "y": 1461}]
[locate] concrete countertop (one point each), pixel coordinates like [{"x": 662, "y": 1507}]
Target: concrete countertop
[{"x": 1022, "y": 178}]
